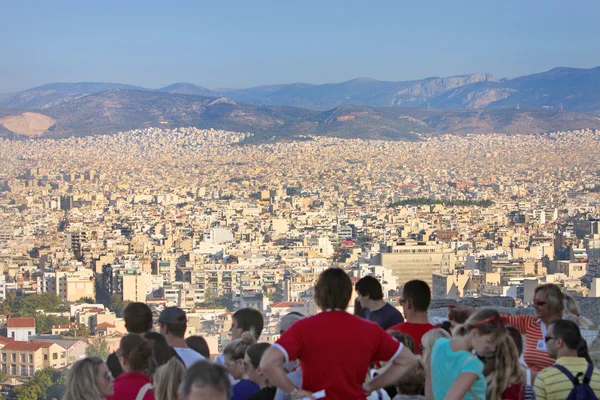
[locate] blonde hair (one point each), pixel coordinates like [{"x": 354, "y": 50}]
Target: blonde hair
[
  {"x": 429, "y": 339},
  {"x": 236, "y": 349},
  {"x": 506, "y": 369},
  {"x": 486, "y": 321},
  {"x": 81, "y": 382},
  {"x": 413, "y": 382},
  {"x": 556, "y": 302},
  {"x": 167, "y": 379}
]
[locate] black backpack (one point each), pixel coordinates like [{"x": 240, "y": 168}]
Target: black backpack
[{"x": 581, "y": 390}]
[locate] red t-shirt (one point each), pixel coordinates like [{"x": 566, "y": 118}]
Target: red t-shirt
[
  {"x": 335, "y": 349},
  {"x": 416, "y": 331},
  {"x": 514, "y": 392}
]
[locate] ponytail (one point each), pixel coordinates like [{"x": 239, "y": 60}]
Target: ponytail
[
  {"x": 582, "y": 350},
  {"x": 573, "y": 309}
]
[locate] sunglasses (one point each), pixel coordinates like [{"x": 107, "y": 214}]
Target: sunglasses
[
  {"x": 494, "y": 321},
  {"x": 548, "y": 338},
  {"x": 540, "y": 303}
]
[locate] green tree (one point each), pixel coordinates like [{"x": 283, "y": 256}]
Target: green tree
[
  {"x": 26, "y": 391},
  {"x": 86, "y": 300},
  {"x": 80, "y": 331},
  {"x": 99, "y": 348},
  {"x": 48, "y": 302},
  {"x": 117, "y": 305},
  {"x": 45, "y": 322},
  {"x": 9, "y": 305}
]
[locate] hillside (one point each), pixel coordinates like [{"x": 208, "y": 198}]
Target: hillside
[
  {"x": 575, "y": 90},
  {"x": 120, "y": 110}
]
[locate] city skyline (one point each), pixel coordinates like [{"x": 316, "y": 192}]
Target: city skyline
[{"x": 237, "y": 45}]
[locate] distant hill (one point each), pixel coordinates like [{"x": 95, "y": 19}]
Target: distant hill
[
  {"x": 120, "y": 110},
  {"x": 53, "y": 94},
  {"x": 188, "y": 88},
  {"x": 575, "y": 90}
]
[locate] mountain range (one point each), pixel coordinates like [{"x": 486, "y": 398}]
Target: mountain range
[{"x": 559, "y": 99}]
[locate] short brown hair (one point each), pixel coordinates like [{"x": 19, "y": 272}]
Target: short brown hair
[{"x": 333, "y": 289}]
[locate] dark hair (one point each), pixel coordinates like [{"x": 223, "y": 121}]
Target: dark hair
[
  {"x": 138, "y": 318},
  {"x": 250, "y": 320},
  {"x": 516, "y": 337},
  {"x": 569, "y": 333},
  {"x": 256, "y": 351},
  {"x": 137, "y": 351},
  {"x": 459, "y": 314},
  {"x": 333, "y": 289},
  {"x": 198, "y": 343},
  {"x": 419, "y": 294},
  {"x": 404, "y": 338},
  {"x": 161, "y": 351},
  {"x": 370, "y": 286},
  {"x": 446, "y": 325},
  {"x": 205, "y": 373}
]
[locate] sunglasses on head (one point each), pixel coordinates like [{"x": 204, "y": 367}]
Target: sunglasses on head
[{"x": 496, "y": 320}]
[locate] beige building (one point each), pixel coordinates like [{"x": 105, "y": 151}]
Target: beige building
[
  {"x": 25, "y": 358},
  {"x": 411, "y": 260},
  {"x": 134, "y": 287}
]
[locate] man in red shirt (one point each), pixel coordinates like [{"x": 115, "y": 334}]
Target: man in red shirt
[
  {"x": 415, "y": 300},
  {"x": 335, "y": 348}
]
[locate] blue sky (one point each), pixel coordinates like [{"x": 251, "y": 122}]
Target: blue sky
[{"x": 248, "y": 43}]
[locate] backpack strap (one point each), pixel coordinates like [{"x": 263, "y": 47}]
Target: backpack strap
[
  {"x": 568, "y": 373},
  {"x": 143, "y": 390},
  {"x": 588, "y": 374}
]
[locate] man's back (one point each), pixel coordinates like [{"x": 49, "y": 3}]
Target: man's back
[
  {"x": 335, "y": 349},
  {"x": 552, "y": 384},
  {"x": 415, "y": 331},
  {"x": 386, "y": 317}
]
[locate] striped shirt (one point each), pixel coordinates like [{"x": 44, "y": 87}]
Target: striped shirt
[
  {"x": 531, "y": 327},
  {"x": 552, "y": 384}
]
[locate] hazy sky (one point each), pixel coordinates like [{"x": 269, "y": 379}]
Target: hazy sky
[{"x": 246, "y": 43}]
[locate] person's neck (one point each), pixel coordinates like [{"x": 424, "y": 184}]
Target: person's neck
[
  {"x": 462, "y": 343},
  {"x": 375, "y": 305},
  {"x": 550, "y": 318},
  {"x": 175, "y": 341},
  {"x": 417, "y": 317},
  {"x": 567, "y": 353}
]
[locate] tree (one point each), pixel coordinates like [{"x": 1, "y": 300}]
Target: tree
[
  {"x": 80, "y": 331},
  {"x": 99, "y": 348},
  {"x": 9, "y": 304},
  {"x": 86, "y": 300},
  {"x": 48, "y": 302},
  {"x": 45, "y": 322},
  {"x": 117, "y": 305}
]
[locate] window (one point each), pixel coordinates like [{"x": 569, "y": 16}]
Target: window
[
  {"x": 29, "y": 333},
  {"x": 63, "y": 355},
  {"x": 45, "y": 357},
  {"x": 22, "y": 357},
  {"x": 31, "y": 358},
  {"x": 23, "y": 370},
  {"x": 14, "y": 357},
  {"x": 3, "y": 356},
  {"x": 12, "y": 334},
  {"x": 13, "y": 369},
  {"x": 55, "y": 356},
  {"x": 31, "y": 371}
]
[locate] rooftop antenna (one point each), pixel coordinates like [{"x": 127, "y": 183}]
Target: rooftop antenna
[{"x": 518, "y": 106}]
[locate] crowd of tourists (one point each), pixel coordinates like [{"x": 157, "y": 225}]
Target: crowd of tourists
[{"x": 376, "y": 353}]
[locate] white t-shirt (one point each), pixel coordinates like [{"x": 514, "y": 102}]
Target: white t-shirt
[{"x": 188, "y": 356}]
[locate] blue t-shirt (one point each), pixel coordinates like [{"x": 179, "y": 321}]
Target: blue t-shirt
[
  {"x": 244, "y": 389},
  {"x": 447, "y": 365},
  {"x": 386, "y": 317}
]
